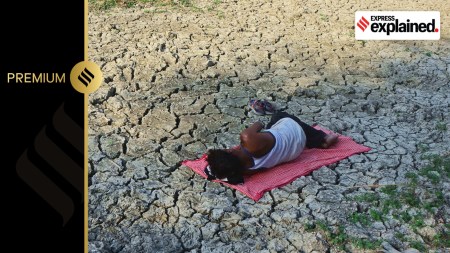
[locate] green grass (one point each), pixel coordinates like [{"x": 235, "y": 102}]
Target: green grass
[
  {"x": 340, "y": 239},
  {"x": 103, "y": 4},
  {"x": 376, "y": 215},
  {"x": 413, "y": 177},
  {"x": 418, "y": 246},
  {"x": 409, "y": 197},
  {"x": 108, "y": 4},
  {"x": 366, "y": 244},
  {"x": 438, "y": 164},
  {"x": 367, "y": 197},
  {"x": 185, "y": 2},
  {"x": 214, "y": 5},
  {"x": 441, "y": 126},
  {"x": 434, "y": 200},
  {"x": 390, "y": 190},
  {"x": 433, "y": 175},
  {"x": 417, "y": 195},
  {"x": 390, "y": 204},
  {"x": 400, "y": 236},
  {"x": 361, "y": 218},
  {"x": 324, "y": 17},
  {"x": 322, "y": 226},
  {"x": 310, "y": 226},
  {"x": 431, "y": 172},
  {"x": 352, "y": 33},
  {"x": 405, "y": 216},
  {"x": 423, "y": 148},
  {"x": 417, "y": 221},
  {"x": 442, "y": 239}
]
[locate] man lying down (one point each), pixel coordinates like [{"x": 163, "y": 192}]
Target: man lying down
[{"x": 283, "y": 140}]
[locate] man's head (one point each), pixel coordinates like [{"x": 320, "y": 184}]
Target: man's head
[{"x": 224, "y": 164}]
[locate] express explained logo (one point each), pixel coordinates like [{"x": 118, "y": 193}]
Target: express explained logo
[
  {"x": 397, "y": 25},
  {"x": 394, "y": 25},
  {"x": 363, "y": 23}
]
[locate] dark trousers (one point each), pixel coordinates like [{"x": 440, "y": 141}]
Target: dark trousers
[{"x": 314, "y": 137}]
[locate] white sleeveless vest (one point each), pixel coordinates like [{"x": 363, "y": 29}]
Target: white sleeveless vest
[{"x": 290, "y": 140}]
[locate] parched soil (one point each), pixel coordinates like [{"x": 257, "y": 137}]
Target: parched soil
[{"x": 177, "y": 80}]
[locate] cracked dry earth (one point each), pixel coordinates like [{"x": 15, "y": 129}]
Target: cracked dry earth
[{"x": 177, "y": 82}]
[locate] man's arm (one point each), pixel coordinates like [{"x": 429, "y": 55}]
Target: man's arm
[{"x": 257, "y": 143}]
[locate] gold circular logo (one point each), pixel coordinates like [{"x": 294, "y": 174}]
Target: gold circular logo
[{"x": 86, "y": 77}]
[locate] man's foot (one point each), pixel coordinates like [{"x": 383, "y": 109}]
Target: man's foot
[{"x": 330, "y": 139}]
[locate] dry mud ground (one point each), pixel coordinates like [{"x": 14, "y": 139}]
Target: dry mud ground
[{"x": 177, "y": 82}]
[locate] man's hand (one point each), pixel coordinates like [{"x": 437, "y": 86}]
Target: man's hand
[
  {"x": 254, "y": 128},
  {"x": 258, "y": 125}
]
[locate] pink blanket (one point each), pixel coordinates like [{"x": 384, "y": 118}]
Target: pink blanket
[{"x": 311, "y": 159}]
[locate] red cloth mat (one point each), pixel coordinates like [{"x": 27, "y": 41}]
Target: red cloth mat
[{"x": 309, "y": 160}]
